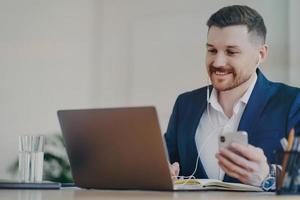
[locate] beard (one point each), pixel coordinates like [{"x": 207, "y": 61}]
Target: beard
[{"x": 232, "y": 80}]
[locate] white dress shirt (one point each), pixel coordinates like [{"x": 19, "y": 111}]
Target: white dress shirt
[{"x": 213, "y": 123}]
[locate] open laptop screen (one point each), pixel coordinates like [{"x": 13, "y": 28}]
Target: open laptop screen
[{"x": 116, "y": 148}]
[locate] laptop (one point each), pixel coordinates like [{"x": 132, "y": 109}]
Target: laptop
[{"x": 116, "y": 148}]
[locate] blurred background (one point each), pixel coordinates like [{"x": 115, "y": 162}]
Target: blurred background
[{"x": 67, "y": 54}]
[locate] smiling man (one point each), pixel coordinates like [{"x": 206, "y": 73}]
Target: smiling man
[{"x": 239, "y": 99}]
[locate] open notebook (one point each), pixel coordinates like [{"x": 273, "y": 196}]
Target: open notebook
[{"x": 213, "y": 184}]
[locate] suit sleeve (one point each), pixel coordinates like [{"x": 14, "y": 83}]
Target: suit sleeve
[
  {"x": 171, "y": 134},
  {"x": 294, "y": 116}
]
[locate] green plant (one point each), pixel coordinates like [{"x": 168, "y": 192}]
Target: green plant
[{"x": 56, "y": 164}]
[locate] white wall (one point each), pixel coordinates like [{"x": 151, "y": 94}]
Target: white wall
[
  {"x": 294, "y": 47},
  {"x": 45, "y": 64},
  {"x": 98, "y": 53}
]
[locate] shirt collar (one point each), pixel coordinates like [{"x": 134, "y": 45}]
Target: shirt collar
[{"x": 213, "y": 100}]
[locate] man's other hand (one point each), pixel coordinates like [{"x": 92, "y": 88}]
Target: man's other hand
[
  {"x": 174, "y": 168},
  {"x": 246, "y": 163}
]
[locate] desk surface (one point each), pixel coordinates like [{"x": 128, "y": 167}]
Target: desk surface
[{"x": 67, "y": 194}]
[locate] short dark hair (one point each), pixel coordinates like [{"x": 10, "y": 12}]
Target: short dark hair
[{"x": 239, "y": 15}]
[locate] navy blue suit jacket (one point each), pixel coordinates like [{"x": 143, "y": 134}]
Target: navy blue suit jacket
[{"x": 272, "y": 110}]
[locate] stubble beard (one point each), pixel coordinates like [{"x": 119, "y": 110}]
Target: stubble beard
[{"x": 237, "y": 80}]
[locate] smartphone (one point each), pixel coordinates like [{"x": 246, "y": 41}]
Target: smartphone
[{"x": 240, "y": 137}]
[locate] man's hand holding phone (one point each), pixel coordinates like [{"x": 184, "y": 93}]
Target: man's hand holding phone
[{"x": 241, "y": 160}]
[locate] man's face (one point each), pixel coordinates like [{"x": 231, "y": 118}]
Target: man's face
[{"x": 231, "y": 57}]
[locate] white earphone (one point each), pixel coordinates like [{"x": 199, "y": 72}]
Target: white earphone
[{"x": 259, "y": 59}]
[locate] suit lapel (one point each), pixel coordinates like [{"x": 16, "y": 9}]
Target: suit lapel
[{"x": 256, "y": 104}]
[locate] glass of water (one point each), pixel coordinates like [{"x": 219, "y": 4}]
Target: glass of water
[{"x": 31, "y": 158}]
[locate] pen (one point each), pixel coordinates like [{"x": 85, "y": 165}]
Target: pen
[
  {"x": 292, "y": 169},
  {"x": 290, "y": 166},
  {"x": 286, "y": 156},
  {"x": 284, "y": 143},
  {"x": 291, "y": 139}
]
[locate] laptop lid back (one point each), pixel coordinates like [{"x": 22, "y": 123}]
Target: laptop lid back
[{"x": 116, "y": 148}]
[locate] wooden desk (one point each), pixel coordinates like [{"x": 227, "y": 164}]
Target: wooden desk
[{"x": 67, "y": 194}]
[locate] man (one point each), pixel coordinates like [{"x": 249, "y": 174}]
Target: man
[{"x": 240, "y": 98}]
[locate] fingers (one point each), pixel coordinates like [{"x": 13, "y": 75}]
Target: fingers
[
  {"x": 232, "y": 168},
  {"x": 234, "y": 174},
  {"x": 249, "y": 152},
  {"x": 174, "y": 168},
  {"x": 233, "y": 160}
]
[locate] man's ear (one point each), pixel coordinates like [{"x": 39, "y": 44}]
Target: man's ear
[{"x": 263, "y": 53}]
